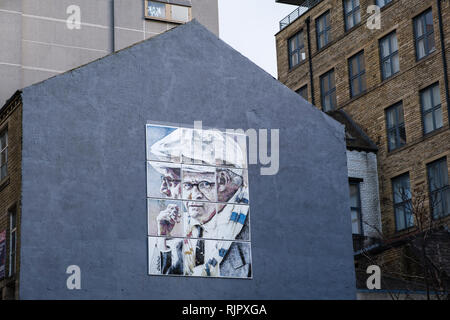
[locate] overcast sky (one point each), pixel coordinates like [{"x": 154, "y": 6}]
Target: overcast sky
[{"x": 249, "y": 26}]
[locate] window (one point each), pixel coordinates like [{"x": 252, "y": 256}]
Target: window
[
  {"x": 382, "y": 3},
  {"x": 357, "y": 74},
  {"x": 323, "y": 30},
  {"x": 297, "y": 51},
  {"x": 355, "y": 207},
  {"x": 352, "y": 13},
  {"x": 168, "y": 12},
  {"x": 424, "y": 34},
  {"x": 389, "y": 56},
  {"x": 402, "y": 202},
  {"x": 3, "y": 154},
  {"x": 328, "y": 91},
  {"x": 12, "y": 240},
  {"x": 156, "y": 9},
  {"x": 430, "y": 99},
  {"x": 395, "y": 125},
  {"x": 439, "y": 188},
  {"x": 303, "y": 91}
]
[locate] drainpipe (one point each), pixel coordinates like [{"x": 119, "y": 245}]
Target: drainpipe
[
  {"x": 444, "y": 59},
  {"x": 308, "y": 20}
]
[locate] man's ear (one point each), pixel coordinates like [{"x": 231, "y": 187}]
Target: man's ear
[{"x": 223, "y": 179}]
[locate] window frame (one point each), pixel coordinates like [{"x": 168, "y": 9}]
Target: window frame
[
  {"x": 325, "y": 32},
  {"x": 426, "y": 35},
  {"x": 390, "y": 56},
  {"x": 358, "y": 75},
  {"x": 405, "y": 203},
  {"x": 299, "y": 49},
  {"x": 168, "y": 12},
  {"x": 323, "y": 94},
  {"x": 357, "y": 183},
  {"x": 397, "y": 126},
  {"x": 440, "y": 190},
  {"x": 4, "y": 150},
  {"x": 433, "y": 109},
  {"x": 352, "y": 13}
]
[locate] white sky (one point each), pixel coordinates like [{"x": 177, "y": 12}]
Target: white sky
[{"x": 249, "y": 26}]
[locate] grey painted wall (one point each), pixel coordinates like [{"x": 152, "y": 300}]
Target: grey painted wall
[{"x": 84, "y": 186}]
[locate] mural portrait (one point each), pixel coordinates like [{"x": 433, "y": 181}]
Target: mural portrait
[{"x": 198, "y": 203}]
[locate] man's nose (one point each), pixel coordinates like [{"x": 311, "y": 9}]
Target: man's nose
[{"x": 197, "y": 194}]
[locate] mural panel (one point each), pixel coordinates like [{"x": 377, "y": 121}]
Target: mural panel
[{"x": 198, "y": 203}]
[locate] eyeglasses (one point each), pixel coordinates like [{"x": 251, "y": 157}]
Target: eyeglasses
[{"x": 203, "y": 186}]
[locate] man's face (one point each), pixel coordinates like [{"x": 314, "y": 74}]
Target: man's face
[
  {"x": 200, "y": 187},
  {"x": 171, "y": 183}
]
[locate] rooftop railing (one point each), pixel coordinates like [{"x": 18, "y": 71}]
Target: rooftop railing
[{"x": 294, "y": 15}]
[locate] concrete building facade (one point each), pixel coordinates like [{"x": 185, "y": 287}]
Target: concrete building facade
[
  {"x": 42, "y": 39},
  {"x": 82, "y": 197}
]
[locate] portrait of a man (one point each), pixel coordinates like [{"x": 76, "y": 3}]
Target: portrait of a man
[{"x": 214, "y": 213}]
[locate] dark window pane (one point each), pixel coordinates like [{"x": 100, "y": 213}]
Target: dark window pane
[
  {"x": 301, "y": 42},
  {"x": 363, "y": 82},
  {"x": 296, "y": 49},
  {"x": 355, "y": 207},
  {"x": 431, "y": 45},
  {"x": 333, "y": 100},
  {"x": 436, "y": 95},
  {"x": 355, "y": 87},
  {"x": 354, "y": 195},
  {"x": 401, "y": 189},
  {"x": 384, "y": 48},
  {"x": 348, "y": 6},
  {"x": 394, "y": 42},
  {"x": 361, "y": 62},
  {"x": 332, "y": 80},
  {"x": 392, "y": 140},
  {"x": 438, "y": 118},
  {"x": 439, "y": 187},
  {"x": 419, "y": 27},
  {"x": 354, "y": 66},
  {"x": 428, "y": 122},
  {"x": 431, "y": 108},
  {"x": 357, "y": 16},
  {"x": 303, "y": 91},
  {"x": 395, "y": 127},
  {"x": 293, "y": 44},
  {"x": 421, "y": 52},
  {"x": 390, "y": 118},
  {"x": 395, "y": 64},
  {"x": 426, "y": 100},
  {"x": 424, "y": 34},
  {"x": 429, "y": 22},
  {"x": 328, "y": 91}
]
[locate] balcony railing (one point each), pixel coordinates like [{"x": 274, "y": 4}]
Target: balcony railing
[{"x": 303, "y": 8}]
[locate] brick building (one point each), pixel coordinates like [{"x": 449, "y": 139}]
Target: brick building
[{"x": 391, "y": 79}]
